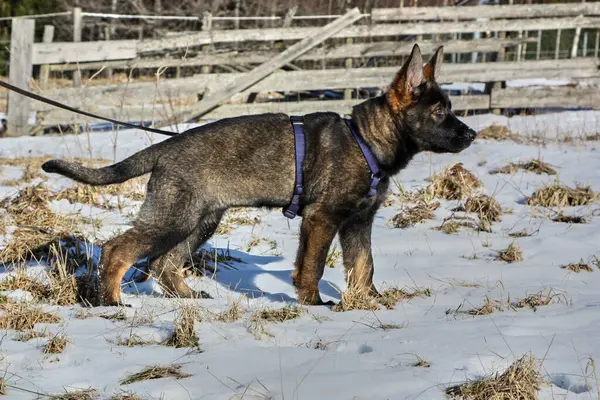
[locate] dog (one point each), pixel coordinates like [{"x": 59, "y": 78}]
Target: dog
[{"x": 249, "y": 161}]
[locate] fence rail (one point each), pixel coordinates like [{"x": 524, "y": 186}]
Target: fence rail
[{"x": 488, "y": 36}]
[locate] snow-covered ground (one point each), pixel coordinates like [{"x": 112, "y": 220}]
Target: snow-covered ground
[{"x": 346, "y": 355}]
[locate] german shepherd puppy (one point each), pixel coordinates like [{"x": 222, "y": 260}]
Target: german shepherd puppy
[{"x": 249, "y": 161}]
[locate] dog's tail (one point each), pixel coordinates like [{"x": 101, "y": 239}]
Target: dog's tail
[{"x": 138, "y": 164}]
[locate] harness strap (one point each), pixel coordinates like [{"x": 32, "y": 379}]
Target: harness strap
[
  {"x": 376, "y": 173},
  {"x": 293, "y": 208},
  {"x": 43, "y": 99}
]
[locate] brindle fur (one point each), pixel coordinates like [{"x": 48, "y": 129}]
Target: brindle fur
[{"x": 248, "y": 161}]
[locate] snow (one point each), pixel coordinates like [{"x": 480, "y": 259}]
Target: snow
[{"x": 329, "y": 355}]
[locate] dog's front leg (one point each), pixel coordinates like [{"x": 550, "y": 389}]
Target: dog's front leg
[
  {"x": 316, "y": 234},
  {"x": 355, "y": 238}
]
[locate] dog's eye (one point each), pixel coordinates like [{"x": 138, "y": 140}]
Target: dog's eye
[{"x": 439, "y": 113}]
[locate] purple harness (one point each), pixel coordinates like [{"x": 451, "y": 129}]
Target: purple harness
[{"x": 377, "y": 174}]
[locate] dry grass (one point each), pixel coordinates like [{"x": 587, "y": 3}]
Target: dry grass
[
  {"x": 452, "y": 225},
  {"x": 56, "y": 344},
  {"x": 522, "y": 380},
  {"x": 23, "y": 317},
  {"x": 498, "y": 132},
  {"x": 538, "y": 299},
  {"x": 83, "y": 394},
  {"x": 232, "y": 313},
  {"x": 60, "y": 286},
  {"x": 557, "y": 195},
  {"x": 536, "y": 166},
  {"x": 390, "y": 297},
  {"x": 489, "y": 306},
  {"x": 521, "y": 233},
  {"x": 133, "y": 340},
  {"x": 511, "y": 254},
  {"x": 124, "y": 395},
  {"x": 410, "y": 216},
  {"x": 120, "y": 315},
  {"x": 455, "y": 183},
  {"x": 486, "y": 207},
  {"x": 578, "y": 267},
  {"x": 355, "y": 299},
  {"x": 184, "y": 332},
  {"x": 156, "y": 372},
  {"x": 334, "y": 257},
  {"x": 28, "y": 335},
  {"x": 569, "y": 219},
  {"x": 283, "y": 314}
]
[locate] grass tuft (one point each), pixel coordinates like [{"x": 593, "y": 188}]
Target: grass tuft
[
  {"x": 23, "y": 317},
  {"x": 497, "y": 132},
  {"x": 82, "y": 394},
  {"x": 455, "y": 183},
  {"x": 356, "y": 299},
  {"x": 521, "y": 381},
  {"x": 410, "y": 216},
  {"x": 486, "y": 207},
  {"x": 283, "y": 314},
  {"x": 511, "y": 254},
  {"x": 390, "y": 297},
  {"x": 578, "y": 267},
  {"x": 536, "y": 166},
  {"x": 156, "y": 372},
  {"x": 184, "y": 333},
  {"x": 56, "y": 344},
  {"x": 557, "y": 195},
  {"x": 569, "y": 219}
]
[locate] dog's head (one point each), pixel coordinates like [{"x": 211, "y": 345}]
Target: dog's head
[{"x": 424, "y": 110}]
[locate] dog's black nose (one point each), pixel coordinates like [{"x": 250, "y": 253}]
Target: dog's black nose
[{"x": 472, "y": 134}]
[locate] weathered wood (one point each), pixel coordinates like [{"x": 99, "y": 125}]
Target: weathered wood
[
  {"x": 70, "y": 52},
  {"x": 166, "y": 112},
  {"x": 265, "y": 69},
  {"x": 484, "y": 11},
  {"x": 44, "y": 69},
  {"x": 21, "y": 41},
  {"x": 356, "y": 50},
  {"x": 558, "y": 96},
  {"x": 231, "y": 36},
  {"x": 188, "y": 89},
  {"x": 77, "y": 30},
  {"x": 575, "y": 45}
]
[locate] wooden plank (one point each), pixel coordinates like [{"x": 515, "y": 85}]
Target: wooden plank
[
  {"x": 77, "y": 30},
  {"x": 356, "y": 50},
  {"x": 21, "y": 41},
  {"x": 45, "y": 69},
  {"x": 484, "y": 11},
  {"x": 412, "y": 28},
  {"x": 558, "y": 96},
  {"x": 188, "y": 89},
  {"x": 70, "y": 52},
  {"x": 265, "y": 69},
  {"x": 57, "y": 116}
]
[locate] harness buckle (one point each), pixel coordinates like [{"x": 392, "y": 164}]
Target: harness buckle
[{"x": 375, "y": 179}]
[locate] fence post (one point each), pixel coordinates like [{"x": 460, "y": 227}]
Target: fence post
[
  {"x": 45, "y": 69},
  {"x": 21, "y": 57},
  {"x": 77, "y": 27},
  {"x": 207, "y": 27},
  {"x": 575, "y": 46},
  {"x": 348, "y": 65}
]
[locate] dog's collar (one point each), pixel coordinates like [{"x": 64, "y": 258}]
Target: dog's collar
[{"x": 294, "y": 208}]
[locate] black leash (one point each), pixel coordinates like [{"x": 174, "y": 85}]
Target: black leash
[{"x": 77, "y": 111}]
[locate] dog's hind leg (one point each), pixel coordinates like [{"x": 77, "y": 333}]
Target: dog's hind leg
[
  {"x": 316, "y": 234},
  {"x": 168, "y": 268},
  {"x": 355, "y": 238}
]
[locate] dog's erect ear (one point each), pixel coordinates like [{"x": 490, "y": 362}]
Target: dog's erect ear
[
  {"x": 433, "y": 67},
  {"x": 410, "y": 76}
]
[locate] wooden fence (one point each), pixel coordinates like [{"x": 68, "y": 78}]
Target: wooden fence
[{"x": 484, "y": 45}]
